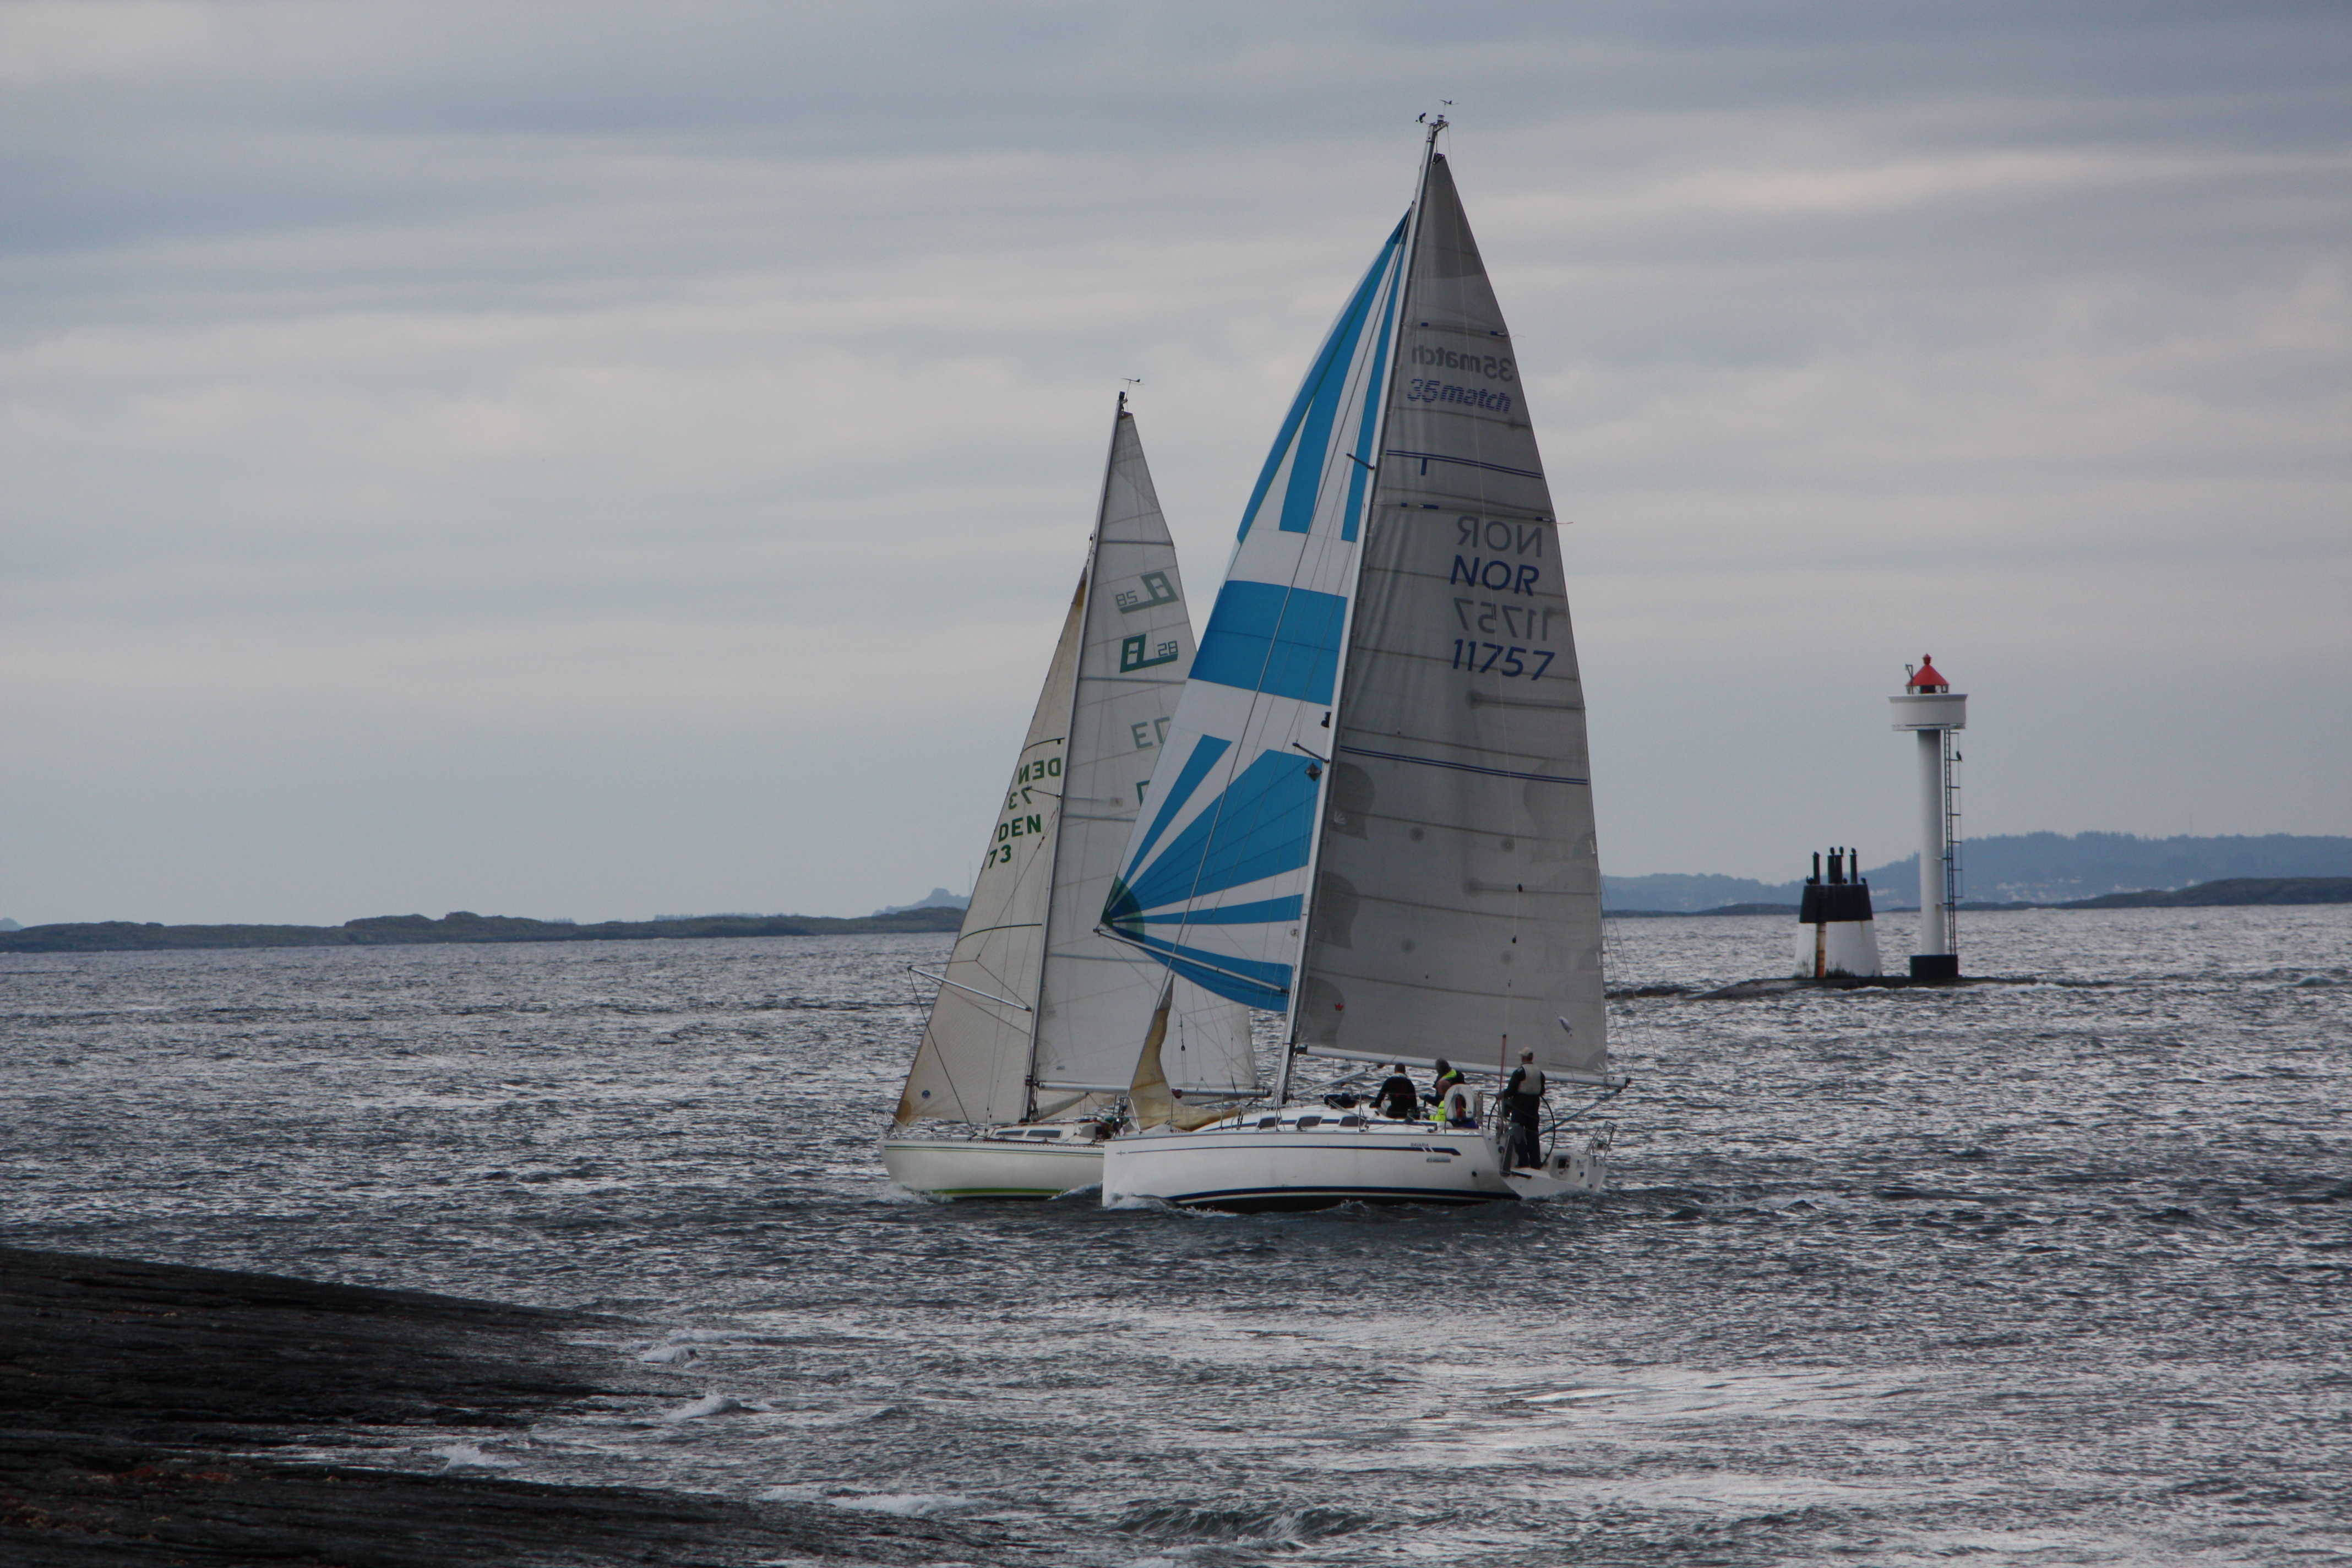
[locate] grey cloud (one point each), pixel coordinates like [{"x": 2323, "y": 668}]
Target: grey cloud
[{"x": 609, "y": 395}]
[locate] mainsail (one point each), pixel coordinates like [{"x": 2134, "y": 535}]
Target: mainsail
[
  {"x": 1457, "y": 899},
  {"x": 1039, "y": 1011},
  {"x": 1432, "y": 783}
]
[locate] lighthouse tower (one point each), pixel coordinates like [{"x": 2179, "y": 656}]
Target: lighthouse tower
[{"x": 1932, "y": 710}]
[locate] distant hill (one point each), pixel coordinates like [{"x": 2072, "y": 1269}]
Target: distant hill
[
  {"x": 2027, "y": 868},
  {"x": 938, "y": 899},
  {"x": 2237, "y": 890},
  {"x": 459, "y": 926}
]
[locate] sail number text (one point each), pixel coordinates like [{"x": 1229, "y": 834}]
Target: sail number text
[
  {"x": 1020, "y": 822},
  {"x": 1502, "y": 558},
  {"x": 1500, "y": 658}
]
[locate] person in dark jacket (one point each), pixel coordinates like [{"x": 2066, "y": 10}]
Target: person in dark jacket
[
  {"x": 1523, "y": 1097},
  {"x": 1397, "y": 1098}
]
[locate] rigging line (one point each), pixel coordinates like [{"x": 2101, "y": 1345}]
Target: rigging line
[
  {"x": 1005, "y": 1001},
  {"x": 1614, "y": 1087},
  {"x": 1015, "y": 925},
  {"x": 939, "y": 1060}
]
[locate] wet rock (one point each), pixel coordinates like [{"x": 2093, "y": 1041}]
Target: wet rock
[{"x": 138, "y": 1403}]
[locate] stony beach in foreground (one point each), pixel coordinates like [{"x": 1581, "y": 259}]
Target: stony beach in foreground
[{"x": 141, "y": 1406}]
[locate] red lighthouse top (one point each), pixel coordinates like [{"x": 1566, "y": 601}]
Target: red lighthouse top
[{"x": 1927, "y": 678}]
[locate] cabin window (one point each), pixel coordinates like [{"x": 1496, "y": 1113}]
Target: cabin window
[
  {"x": 1266, "y": 1122},
  {"x": 1307, "y": 1121},
  {"x": 1045, "y": 1135},
  {"x": 1352, "y": 1121}
]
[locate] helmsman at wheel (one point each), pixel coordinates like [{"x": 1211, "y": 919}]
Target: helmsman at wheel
[{"x": 1523, "y": 1097}]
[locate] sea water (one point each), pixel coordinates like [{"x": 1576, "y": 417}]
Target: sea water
[{"x": 2043, "y": 1273}]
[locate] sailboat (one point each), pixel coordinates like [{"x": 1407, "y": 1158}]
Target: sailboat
[
  {"x": 1033, "y": 1038},
  {"x": 1374, "y": 812}
]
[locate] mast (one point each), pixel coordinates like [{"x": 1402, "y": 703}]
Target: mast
[
  {"x": 1290, "y": 1051},
  {"x": 1061, "y": 819},
  {"x": 1069, "y": 727}
]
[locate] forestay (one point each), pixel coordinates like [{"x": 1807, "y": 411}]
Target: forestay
[{"x": 1457, "y": 899}]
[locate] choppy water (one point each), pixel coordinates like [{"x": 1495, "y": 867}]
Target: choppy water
[{"x": 2045, "y": 1274}]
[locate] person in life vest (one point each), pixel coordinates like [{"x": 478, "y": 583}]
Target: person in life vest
[
  {"x": 1447, "y": 1078},
  {"x": 1397, "y": 1097},
  {"x": 1523, "y": 1097}
]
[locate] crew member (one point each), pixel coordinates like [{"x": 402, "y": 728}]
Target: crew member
[
  {"x": 1397, "y": 1098},
  {"x": 1447, "y": 1078},
  {"x": 1523, "y": 1096}
]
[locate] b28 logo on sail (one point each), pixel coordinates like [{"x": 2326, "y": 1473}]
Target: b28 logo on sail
[{"x": 1132, "y": 655}]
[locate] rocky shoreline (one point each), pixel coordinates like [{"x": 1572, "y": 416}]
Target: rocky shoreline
[{"x": 140, "y": 1405}]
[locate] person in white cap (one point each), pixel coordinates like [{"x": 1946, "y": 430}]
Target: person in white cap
[{"x": 1522, "y": 1095}]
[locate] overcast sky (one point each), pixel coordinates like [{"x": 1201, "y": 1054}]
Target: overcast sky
[{"x": 606, "y": 460}]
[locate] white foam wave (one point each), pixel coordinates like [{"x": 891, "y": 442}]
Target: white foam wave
[
  {"x": 668, "y": 1355},
  {"x": 709, "y": 1405},
  {"x": 459, "y": 1455},
  {"x": 1737, "y": 1493},
  {"x": 906, "y": 1505},
  {"x": 1161, "y": 1205},
  {"x": 892, "y": 1193}
]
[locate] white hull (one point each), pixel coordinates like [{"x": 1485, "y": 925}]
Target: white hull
[
  {"x": 1336, "y": 1159},
  {"x": 1001, "y": 1165}
]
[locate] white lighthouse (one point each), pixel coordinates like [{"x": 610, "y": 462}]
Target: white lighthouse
[{"x": 1932, "y": 710}]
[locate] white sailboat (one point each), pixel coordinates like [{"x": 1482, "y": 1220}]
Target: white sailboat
[
  {"x": 1374, "y": 810},
  {"x": 1035, "y": 1028}
]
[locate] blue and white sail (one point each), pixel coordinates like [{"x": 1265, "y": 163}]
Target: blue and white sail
[
  {"x": 1374, "y": 811},
  {"x": 1215, "y": 880}
]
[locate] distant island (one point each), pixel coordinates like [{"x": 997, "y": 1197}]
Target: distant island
[
  {"x": 943, "y": 912},
  {"x": 460, "y": 925},
  {"x": 2036, "y": 869},
  {"x": 2237, "y": 890}
]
